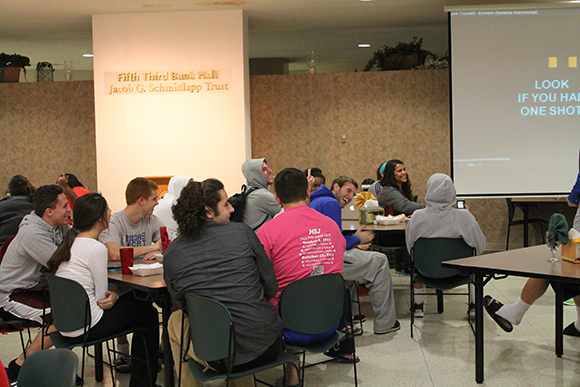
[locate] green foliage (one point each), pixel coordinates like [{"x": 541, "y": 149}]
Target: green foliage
[
  {"x": 13, "y": 60},
  {"x": 403, "y": 56}
]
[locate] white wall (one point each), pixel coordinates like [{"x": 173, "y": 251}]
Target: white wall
[{"x": 151, "y": 133}]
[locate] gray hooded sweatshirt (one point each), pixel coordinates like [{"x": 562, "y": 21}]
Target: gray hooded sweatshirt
[
  {"x": 30, "y": 250},
  {"x": 261, "y": 205},
  {"x": 441, "y": 220}
]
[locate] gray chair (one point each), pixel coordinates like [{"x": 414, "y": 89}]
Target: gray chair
[
  {"x": 313, "y": 305},
  {"x": 71, "y": 311},
  {"x": 213, "y": 338},
  {"x": 426, "y": 257},
  {"x": 49, "y": 368}
]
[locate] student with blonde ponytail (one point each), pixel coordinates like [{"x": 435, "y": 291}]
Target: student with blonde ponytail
[{"x": 83, "y": 258}]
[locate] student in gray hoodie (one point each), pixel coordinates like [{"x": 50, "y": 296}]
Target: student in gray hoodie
[
  {"x": 261, "y": 205},
  {"x": 441, "y": 220},
  {"x": 21, "y": 282}
]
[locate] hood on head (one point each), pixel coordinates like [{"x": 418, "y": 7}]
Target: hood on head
[
  {"x": 176, "y": 184},
  {"x": 440, "y": 192},
  {"x": 252, "y": 170}
]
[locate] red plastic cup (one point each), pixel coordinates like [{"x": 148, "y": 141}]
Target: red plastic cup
[
  {"x": 126, "y": 259},
  {"x": 389, "y": 209}
]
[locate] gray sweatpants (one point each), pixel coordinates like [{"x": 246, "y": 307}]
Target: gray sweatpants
[{"x": 371, "y": 269}]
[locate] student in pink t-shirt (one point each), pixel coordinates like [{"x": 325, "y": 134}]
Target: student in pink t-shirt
[{"x": 301, "y": 242}]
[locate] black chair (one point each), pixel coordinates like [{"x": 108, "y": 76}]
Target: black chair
[
  {"x": 426, "y": 257},
  {"x": 313, "y": 305},
  {"x": 213, "y": 338},
  {"x": 519, "y": 222},
  {"x": 49, "y": 368},
  {"x": 71, "y": 311}
]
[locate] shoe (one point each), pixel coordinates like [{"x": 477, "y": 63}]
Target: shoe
[
  {"x": 13, "y": 370},
  {"x": 406, "y": 271},
  {"x": 123, "y": 364},
  {"x": 492, "y": 306},
  {"x": 394, "y": 328},
  {"x": 79, "y": 381},
  {"x": 359, "y": 318},
  {"x": 342, "y": 358},
  {"x": 358, "y": 331},
  {"x": 569, "y": 302},
  {"x": 418, "y": 310},
  {"x": 571, "y": 330}
]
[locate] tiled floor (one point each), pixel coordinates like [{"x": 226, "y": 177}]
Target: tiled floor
[{"x": 442, "y": 352}]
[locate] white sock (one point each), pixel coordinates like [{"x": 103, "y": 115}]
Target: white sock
[
  {"x": 514, "y": 313},
  {"x": 419, "y": 295},
  {"x": 123, "y": 348},
  {"x": 577, "y": 322}
]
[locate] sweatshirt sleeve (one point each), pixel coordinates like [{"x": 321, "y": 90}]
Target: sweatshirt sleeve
[
  {"x": 333, "y": 210},
  {"x": 401, "y": 205},
  {"x": 575, "y": 194}
]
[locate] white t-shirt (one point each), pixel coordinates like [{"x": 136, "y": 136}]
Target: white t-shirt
[{"x": 87, "y": 266}]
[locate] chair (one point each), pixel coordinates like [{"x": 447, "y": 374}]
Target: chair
[
  {"x": 71, "y": 311},
  {"x": 16, "y": 325},
  {"x": 426, "y": 257},
  {"x": 511, "y": 222},
  {"x": 213, "y": 338},
  {"x": 313, "y": 305},
  {"x": 49, "y": 368}
]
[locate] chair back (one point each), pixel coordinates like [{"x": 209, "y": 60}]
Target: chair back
[
  {"x": 212, "y": 328},
  {"x": 313, "y": 305},
  {"x": 49, "y": 368},
  {"x": 5, "y": 247},
  {"x": 511, "y": 210},
  {"x": 428, "y": 253},
  {"x": 69, "y": 304}
]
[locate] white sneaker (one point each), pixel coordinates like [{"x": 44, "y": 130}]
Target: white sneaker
[{"x": 418, "y": 310}]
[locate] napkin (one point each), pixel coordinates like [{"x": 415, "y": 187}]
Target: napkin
[{"x": 557, "y": 230}]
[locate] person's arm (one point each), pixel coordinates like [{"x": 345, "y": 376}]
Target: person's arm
[
  {"x": 62, "y": 181},
  {"x": 265, "y": 267},
  {"x": 38, "y": 245},
  {"x": 574, "y": 196},
  {"x": 401, "y": 204},
  {"x": 146, "y": 251},
  {"x": 333, "y": 210}
]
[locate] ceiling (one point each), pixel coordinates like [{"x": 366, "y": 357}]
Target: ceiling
[{"x": 54, "y": 31}]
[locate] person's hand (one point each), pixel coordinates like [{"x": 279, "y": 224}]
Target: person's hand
[
  {"x": 364, "y": 236},
  {"x": 364, "y": 247},
  {"x": 109, "y": 301},
  {"x": 571, "y": 204},
  {"x": 156, "y": 250},
  {"x": 62, "y": 181},
  {"x": 310, "y": 179}
]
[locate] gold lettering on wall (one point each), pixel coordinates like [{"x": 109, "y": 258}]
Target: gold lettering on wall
[{"x": 168, "y": 81}]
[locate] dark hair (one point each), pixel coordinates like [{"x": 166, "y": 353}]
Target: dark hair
[
  {"x": 73, "y": 181},
  {"x": 342, "y": 180},
  {"x": 389, "y": 180},
  {"x": 20, "y": 186},
  {"x": 45, "y": 197},
  {"x": 291, "y": 185},
  {"x": 379, "y": 174},
  {"x": 315, "y": 172},
  {"x": 190, "y": 211},
  {"x": 139, "y": 187},
  {"x": 88, "y": 210}
]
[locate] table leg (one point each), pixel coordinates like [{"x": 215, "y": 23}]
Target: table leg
[
  {"x": 479, "y": 327},
  {"x": 167, "y": 355},
  {"x": 526, "y": 211},
  {"x": 98, "y": 362},
  {"x": 559, "y": 320}
]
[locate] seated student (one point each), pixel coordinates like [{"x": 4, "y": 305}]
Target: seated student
[
  {"x": 376, "y": 188},
  {"x": 261, "y": 206},
  {"x": 21, "y": 281},
  {"x": 318, "y": 177},
  {"x": 225, "y": 262},
  {"x": 81, "y": 257},
  {"x": 285, "y": 237},
  {"x": 15, "y": 206},
  {"x": 163, "y": 209},
  {"x": 397, "y": 189},
  {"x": 441, "y": 220},
  {"x": 72, "y": 187}
]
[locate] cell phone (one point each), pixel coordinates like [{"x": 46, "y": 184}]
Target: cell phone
[{"x": 461, "y": 204}]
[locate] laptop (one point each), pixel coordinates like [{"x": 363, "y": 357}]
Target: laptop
[{"x": 349, "y": 212}]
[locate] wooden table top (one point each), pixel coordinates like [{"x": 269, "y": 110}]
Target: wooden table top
[{"x": 353, "y": 225}]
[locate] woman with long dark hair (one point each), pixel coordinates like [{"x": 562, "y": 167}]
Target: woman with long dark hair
[
  {"x": 397, "y": 189},
  {"x": 83, "y": 258}
]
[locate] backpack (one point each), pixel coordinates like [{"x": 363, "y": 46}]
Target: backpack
[{"x": 238, "y": 202}]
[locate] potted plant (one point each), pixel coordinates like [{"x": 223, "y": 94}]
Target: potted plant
[
  {"x": 10, "y": 64},
  {"x": 403, "y": 56}
]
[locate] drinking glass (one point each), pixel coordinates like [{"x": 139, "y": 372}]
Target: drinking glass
[{"x": 552, "y": 249}]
